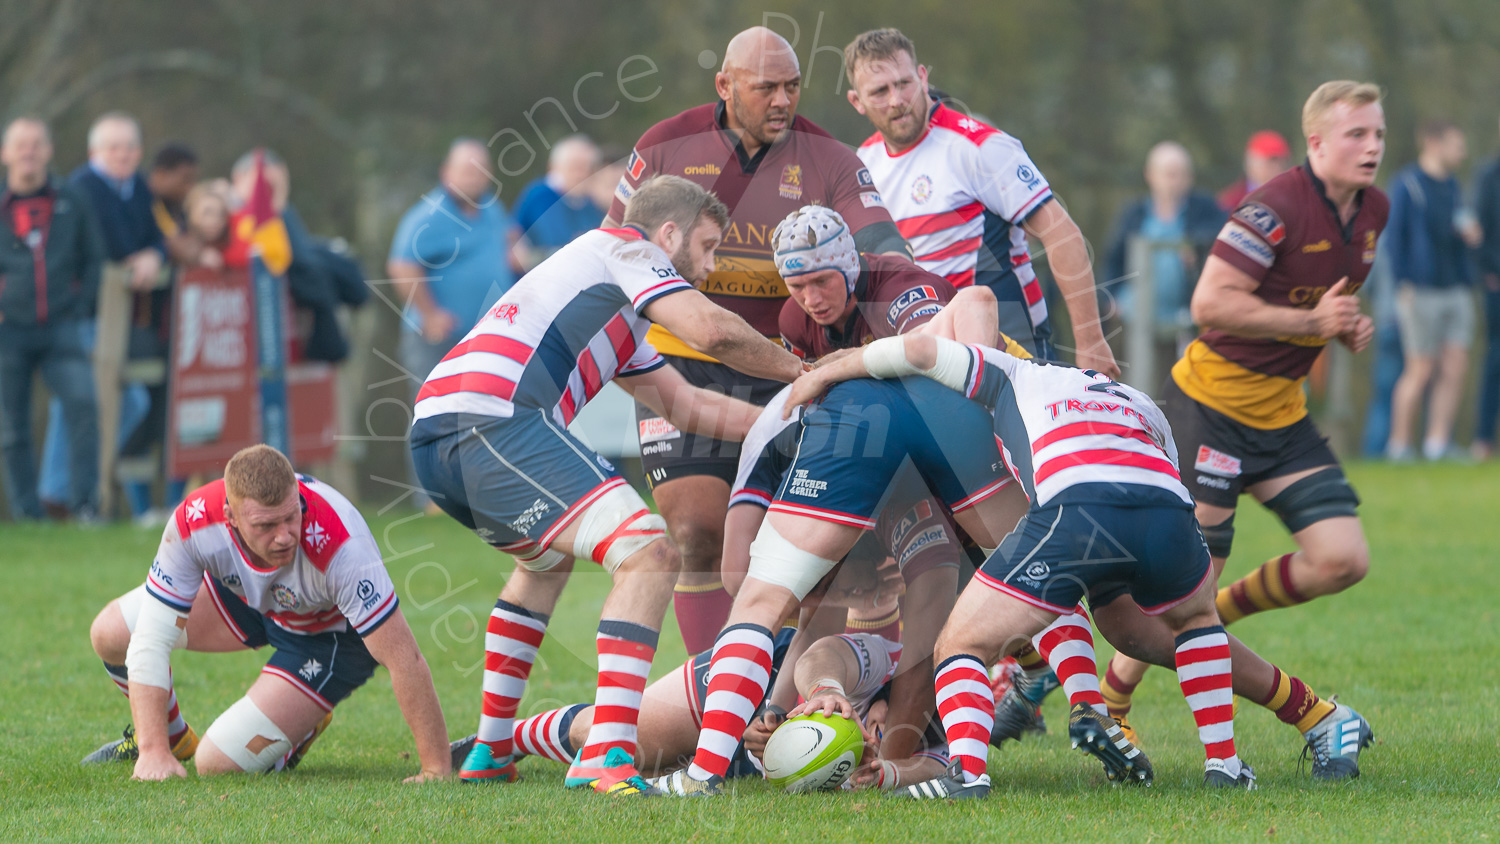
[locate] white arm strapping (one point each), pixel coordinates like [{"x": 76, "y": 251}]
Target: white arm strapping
[
  {"x": 886, "y": 358},
  {"x": 149, "y": 657}
]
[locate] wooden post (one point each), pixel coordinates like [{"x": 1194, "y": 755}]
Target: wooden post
[{"x": 113, "y": 340}]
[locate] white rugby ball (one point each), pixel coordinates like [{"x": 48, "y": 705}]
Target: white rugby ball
[{"x": 813, "y": 753}]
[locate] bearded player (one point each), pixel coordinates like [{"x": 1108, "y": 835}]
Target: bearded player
[{"x": 1277, "y": 287}]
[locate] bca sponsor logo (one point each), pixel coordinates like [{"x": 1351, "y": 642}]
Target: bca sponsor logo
[
  {"x": 864, "y": 178},
  {"x": 1217, "y": 463},
  {"x": 657, "y": 429},
  {"x": 909, "y": 298},
  {"x": 1247, "y": 244},
  {"x": 1262, "y": 219},
  {"x": 931, "y": 537}
]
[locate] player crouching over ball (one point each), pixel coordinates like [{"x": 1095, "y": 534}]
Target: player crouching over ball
[{"x": 264, "y": 556}]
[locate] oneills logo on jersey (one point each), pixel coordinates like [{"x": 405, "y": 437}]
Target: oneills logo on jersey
[
  {"x": 791, "y": 182},
  {"x": 1320, "y": 246},
  {"x": 702, "y": 170}
]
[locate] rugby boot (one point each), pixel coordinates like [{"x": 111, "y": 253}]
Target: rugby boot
[
  {"x": 482, "y": 766},
  {"x": 949, "y": 786},
  {"x": 1100, "y": 737},
  {"x": 617, "y": 778},
  {"x": 126, "y": 750},
  {"x": 1335, "y": 742},
  {"x": 1015, "y": 716},
  {"x": 1216, "y": 775},
  {"x": 679, "y": 784}
]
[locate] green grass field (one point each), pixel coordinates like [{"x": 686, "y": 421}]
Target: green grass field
[{"x": 1416, "y": 648}]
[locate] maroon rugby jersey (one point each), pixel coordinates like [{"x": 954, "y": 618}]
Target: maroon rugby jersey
[
  {"x": 893, "y": 295},
  {"x": 806, "y": 167},
  {"x": 1287, "y": 235}
]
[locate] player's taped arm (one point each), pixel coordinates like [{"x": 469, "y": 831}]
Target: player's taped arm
[
  {"x": 723, "y": 335},
  {"x": 882, "y": 236},
  {"x": 940, "y": 359},
  {"x": 149, "y": 656},
  {"x": 394, "y": 646}
]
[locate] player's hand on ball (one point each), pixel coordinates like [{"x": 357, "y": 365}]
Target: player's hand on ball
[
  {"x": 155, "y": 767},
  {"x": 828, "y": 703},
  {"x": 758, "y": 732}
]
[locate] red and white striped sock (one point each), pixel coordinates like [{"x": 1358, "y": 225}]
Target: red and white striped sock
[
  {"x": 625, "y": 653},
  {"x": 738, "y": 674},
  {"x": 1203, "y": 671},
  {"x": 546, "y": 734},
  {"x": 176, "y": 726},
  {"x": 1068, "y": 646},
  {"x": 967, "y": 706},
  {"x": 510, "y": 643}
]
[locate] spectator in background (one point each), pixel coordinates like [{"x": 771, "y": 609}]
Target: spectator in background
[
  {"x": 51, "y": 272},
  {"x": 321, "y": 278},
  {"x": 1185, "y": 222},
  {"x": 206, "y": 213},
  {"x": 450, "y": 259},
  {"x": 1267, "y": 155},
  {"x": 558, "y": 207},
  {"x": 122, "y": 204},
  {"x": 1487, "y": 209},
  {"x": 174, "y": 172},
  {"x": 1426, "y": 237}
]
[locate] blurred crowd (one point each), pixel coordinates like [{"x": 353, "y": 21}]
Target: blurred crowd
[
  {"x": 111, "y": 220},
  {"x": 1441, "y": 243},
  {"x": 458, "y": 248}
]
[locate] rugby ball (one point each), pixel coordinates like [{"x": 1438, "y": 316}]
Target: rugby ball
[{"x": 813, "y": 753}]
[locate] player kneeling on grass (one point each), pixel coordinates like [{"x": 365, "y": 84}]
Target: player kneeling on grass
[
  {"x": 490, "y": 444},
  {"x": 1097, "y": 462},
  {"x": 264, "y": 556}
]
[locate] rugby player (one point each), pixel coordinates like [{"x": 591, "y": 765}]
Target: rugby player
[
  {"x": 491, "y": 446},
  {"x": 921, "y": 539},
  {"x": 1277, "y": 287},
  {"x": 262, "y": 556},
  {"x": 966, "y": 195},
  {"x": 764, "y": 161},
  {"x": 842, "y": 299}
]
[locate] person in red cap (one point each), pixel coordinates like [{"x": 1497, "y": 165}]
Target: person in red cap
[{"x": 1267, "y": 155}]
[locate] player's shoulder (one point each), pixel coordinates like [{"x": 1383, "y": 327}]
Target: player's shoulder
[
  {"x": 1378, "y": 203},
  {"x": 693, "y": 121},
  {"x": 1269, "y": 209},
  {"x": 957, "y": 124},
  {"x": 872, "y": 147},
  {"x": 201, "y": 508},
  {"x": 889, "y": 272},
  {"x": 329, "y": 521},
  {"x": 627, "y": 246}
]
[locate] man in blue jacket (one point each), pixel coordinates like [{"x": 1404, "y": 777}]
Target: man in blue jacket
[
  {"x": 50, "y": 271},
  {"x": 1426, "y": 236}
]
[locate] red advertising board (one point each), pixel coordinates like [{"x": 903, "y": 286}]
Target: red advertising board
[{"x": 215, "y": 391}]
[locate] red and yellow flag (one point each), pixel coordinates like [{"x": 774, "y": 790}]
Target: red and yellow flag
[{"x": 256, "y": 229}]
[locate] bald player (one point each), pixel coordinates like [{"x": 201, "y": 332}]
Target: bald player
[{"x": 763, "y": 161}]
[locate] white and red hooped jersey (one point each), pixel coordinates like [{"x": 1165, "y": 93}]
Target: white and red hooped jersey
[
  {"x": 557, "y": 337},
  {"x": 959, "y": 197},
  {"x": 337, "y": 581},
  {"x": 1074, "y": 436}
]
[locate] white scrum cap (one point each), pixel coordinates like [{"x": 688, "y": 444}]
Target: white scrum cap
[{"x": 815, "y": 238}]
